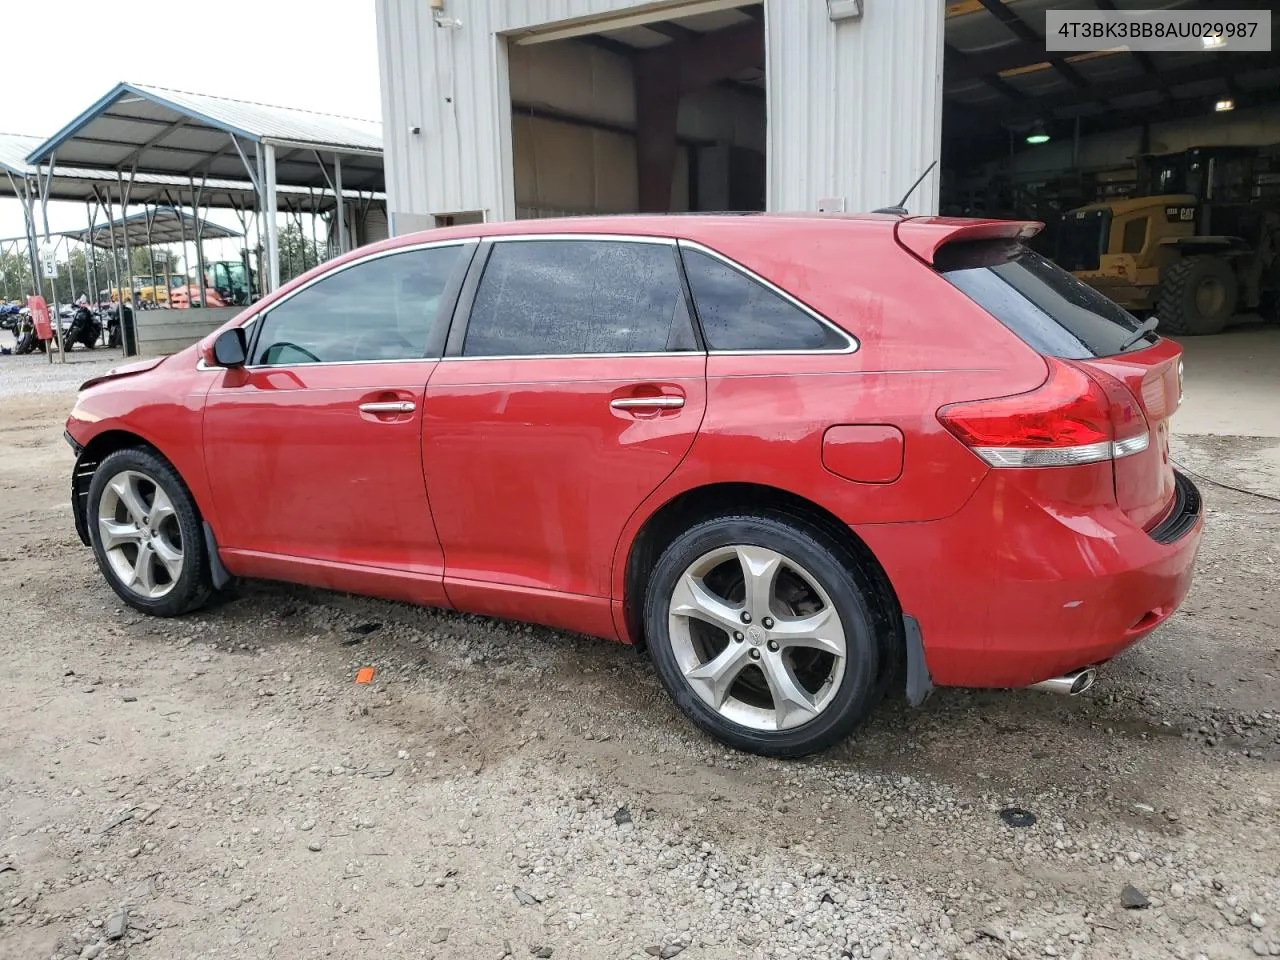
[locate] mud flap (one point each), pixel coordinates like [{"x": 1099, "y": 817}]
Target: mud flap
[
  {"x": 919, "y": 683},
  {"x": 217, "y": 572}
]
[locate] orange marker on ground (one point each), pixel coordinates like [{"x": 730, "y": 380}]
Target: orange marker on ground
[{"x": 364, "y": 675}]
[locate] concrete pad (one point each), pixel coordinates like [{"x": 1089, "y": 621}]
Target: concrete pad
[{"x": 1232, "y": 385}]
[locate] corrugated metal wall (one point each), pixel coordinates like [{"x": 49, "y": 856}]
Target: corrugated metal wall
[{"x": 854, "y": 106}]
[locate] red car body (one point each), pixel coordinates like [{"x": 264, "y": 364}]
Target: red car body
[{"x": 515, "y": 488}]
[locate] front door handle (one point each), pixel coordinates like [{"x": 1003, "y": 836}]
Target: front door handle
[
  {"x": 647, "y": 403},
  {"x": 388, "y": 406}
]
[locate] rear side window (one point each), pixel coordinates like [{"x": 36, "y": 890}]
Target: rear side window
[
  {"x": 739, "y": 313},
  {"x": 1048, "y": 308},
  {"x": 557, "y": 297}
]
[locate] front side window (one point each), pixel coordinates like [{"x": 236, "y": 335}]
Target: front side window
[
  {"x": 739, "y": 313},
  {"x": 382, "y": 309},
  {"x": 558, "y": 297}
]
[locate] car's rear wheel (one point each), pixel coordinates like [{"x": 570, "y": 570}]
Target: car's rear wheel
[
  {"x": 147, "y": 535},
  {"x": 762, "y": 631}
]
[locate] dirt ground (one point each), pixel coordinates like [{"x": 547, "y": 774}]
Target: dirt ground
[{"x": 217, "y": 786}]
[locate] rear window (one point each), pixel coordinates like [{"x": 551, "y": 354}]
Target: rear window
[{"x": 1048, "y": 308}]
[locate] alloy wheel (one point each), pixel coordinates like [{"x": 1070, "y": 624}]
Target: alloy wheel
[
  {"x": 140, "y": 535},
  {"x": 756, "y": 637}
]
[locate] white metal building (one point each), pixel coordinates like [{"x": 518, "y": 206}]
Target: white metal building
[{"x": 495, "y": 109}]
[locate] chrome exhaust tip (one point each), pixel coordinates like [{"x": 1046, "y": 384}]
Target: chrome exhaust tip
[{"x": 1069, "y": 684}]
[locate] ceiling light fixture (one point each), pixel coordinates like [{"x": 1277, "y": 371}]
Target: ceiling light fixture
[
  {"x": 1222, "y": 106},
  {"x": 1038, "y": 134}
]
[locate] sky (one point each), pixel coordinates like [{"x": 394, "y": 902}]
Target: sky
[{"x": 314, "y": 54}]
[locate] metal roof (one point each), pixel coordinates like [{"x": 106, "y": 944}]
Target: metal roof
[
  {"x": 155, "y": 130},
  {"x": 167, "y": 225},
  {"x": 999, "y": 76},
  {"x": 75, "y": 183}
]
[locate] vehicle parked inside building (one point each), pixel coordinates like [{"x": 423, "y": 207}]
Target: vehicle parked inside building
[
  {"x": 795, "y": 457},
  {"x": 1198, "y": 243}
]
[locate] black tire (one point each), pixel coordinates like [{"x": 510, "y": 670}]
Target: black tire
[
  {"x": 853, "y": 593},
  {"x": 1181, "y": 306},
  {"x": 193, "y": 586}
]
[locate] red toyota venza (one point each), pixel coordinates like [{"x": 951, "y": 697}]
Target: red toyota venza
[{"x": 801, "y": 459}]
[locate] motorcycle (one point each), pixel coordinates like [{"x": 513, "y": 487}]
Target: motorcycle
[
  {"x": 25, "y": 333},
  {"x": 85, "y": 328},
  {"x": 9, "y": 314}
]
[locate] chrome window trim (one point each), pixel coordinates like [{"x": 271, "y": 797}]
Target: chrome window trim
[
  {"x": 579, "y": 356},
  {"x": 620, "y": 237},
  {"x": 375, "y": 255},
  {"x": 851, "y": 341}
]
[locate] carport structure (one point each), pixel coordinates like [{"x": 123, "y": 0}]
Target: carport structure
[{"x": 136, "y": 132}]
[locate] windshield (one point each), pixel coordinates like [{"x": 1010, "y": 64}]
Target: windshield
[{"x": 1045, "y": 306}]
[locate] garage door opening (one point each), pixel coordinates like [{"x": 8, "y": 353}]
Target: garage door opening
[{"x": 656, "y": 117}]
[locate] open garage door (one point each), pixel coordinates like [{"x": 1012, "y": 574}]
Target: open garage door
[{"x": 656, "y": 112}]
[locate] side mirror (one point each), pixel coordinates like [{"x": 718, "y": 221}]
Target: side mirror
[{"x": 230, "y": 348}]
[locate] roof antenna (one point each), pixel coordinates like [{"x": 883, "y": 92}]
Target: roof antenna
[{"x": 900, "y": 209}]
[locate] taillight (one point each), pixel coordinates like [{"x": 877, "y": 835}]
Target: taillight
[{"x": 1075, "y": 417}]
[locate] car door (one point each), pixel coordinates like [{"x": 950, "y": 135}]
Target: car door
[
  {"x": 314, "y": 448},
  {"x": 572, "y": 386}
]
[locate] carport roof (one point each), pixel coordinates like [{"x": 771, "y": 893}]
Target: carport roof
[
  {"x": 155, "y": 130},
  {"x": 168, "y": 225},
  {"x": 76, "y": 183}
]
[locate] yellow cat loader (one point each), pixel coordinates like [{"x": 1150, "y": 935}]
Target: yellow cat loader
[{"x": 1197, "y": 245}]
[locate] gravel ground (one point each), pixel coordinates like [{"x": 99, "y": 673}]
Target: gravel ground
[{"x": 218, "y": 786}]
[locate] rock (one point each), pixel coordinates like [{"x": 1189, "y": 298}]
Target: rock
[
  {"x": 1131, "y": 898},
  {"x": 1259, "y": 947},
  {"x": 307, "y": 825},
  {"x": 314, "y": 846},
  {"x": 506, "y": 950},
  {"x": 653, "y": 950},
  {"x": 1134, "y": 856},
  {"x": 671, "y": 950},
  {"x": 441, "y": 935},
  {"x": 1258, "y": 920},
  {"x": 542, "y": 953},
  {"x": 622, "y": 815},
  {"x": 991, "y": 932},
  {"x": 526, "y": 898},
  {"x": 117, "y": 924},
  {"x": 91, "y": 951}
]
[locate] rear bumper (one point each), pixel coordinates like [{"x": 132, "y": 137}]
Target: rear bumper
[{"x": 1012, "y": 590}]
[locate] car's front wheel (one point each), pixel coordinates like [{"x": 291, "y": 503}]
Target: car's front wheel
[
  {"x": 146, "y": 534},
  {"x": 762, "y": 631}
]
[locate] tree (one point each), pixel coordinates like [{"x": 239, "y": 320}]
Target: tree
[
  {"x": 298, "y": 252},
  {"x": 15, "y": 274}
]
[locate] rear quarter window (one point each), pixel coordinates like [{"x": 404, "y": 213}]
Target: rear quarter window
[{"x": 1047, "y": 307}]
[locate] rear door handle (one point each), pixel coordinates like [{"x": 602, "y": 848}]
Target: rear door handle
[
  {"x": 647, "y": 403},
  {"x": 389, "y": 406}
]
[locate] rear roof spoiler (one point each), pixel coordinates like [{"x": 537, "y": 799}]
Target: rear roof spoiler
[{"x": 925, "y": 236}]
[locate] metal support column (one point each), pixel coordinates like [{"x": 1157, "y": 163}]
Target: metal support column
[
  {"x": 91, "y": 214},
  {"x": 269, "y": 211},
  {"x": 196, "y": 196},
  {"x": 341, "y": 213},
  {"x": 125, "y": 190},
  {"x": 55, "y": 313}
]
